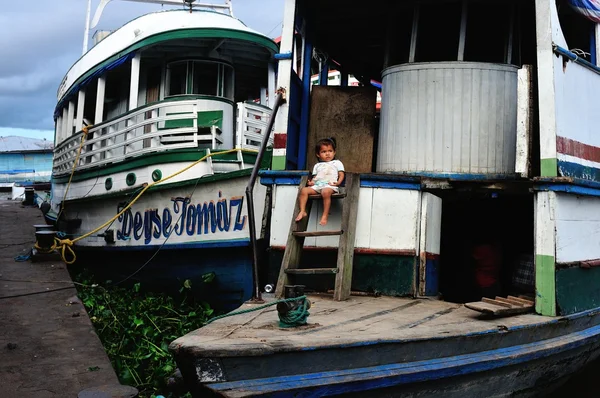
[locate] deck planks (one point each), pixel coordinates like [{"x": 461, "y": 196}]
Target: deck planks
[{"x": 355, "y": 320}]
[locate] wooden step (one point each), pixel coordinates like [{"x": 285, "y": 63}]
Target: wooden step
[
  {"x": 333, "y": 196},
  {"x": 311, "y": 271},
  {"x": 305, "y": 234},
  {"x": 501, "y": 306}
]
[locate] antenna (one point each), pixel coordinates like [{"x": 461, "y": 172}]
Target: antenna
[{"x": 191, "y": 3}]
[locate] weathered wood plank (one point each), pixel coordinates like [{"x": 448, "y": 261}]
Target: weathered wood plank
[
  {"x": 340, "y": 195},
  {"x": 343, "y": 280},
  {"x": 521, "y": 300},
  {"x": 311, "y": 271},
  {"x": 510, "y": 301},
  {"x": 495, "y": 302},
  {"x": 293, "y": 247},
  {"x": 496, "y": 310},
  {"x": 317, "y": 233}
]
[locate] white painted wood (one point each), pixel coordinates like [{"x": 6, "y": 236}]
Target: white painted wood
[
  {"x": 364, "y": 221},
  {"x": 70, "y": 118},
  {"x": 577, "y": 98},
  {"x": 597, "y": 36},
  {"x": 144, "y": 27},
  {"x": 453, "y": 117},
  {"x": 394, "y": 215},
  {"x": 65, "y": 115},
  {"x": 577, "y": 228},
  {"x": 282, "y": 211},
  {"x": 545, "y": 24},
  {"x": 134, "y": 82},
  {"x": 545, "y": 224},
  {"x": 100, "y": 92},
  {"x": 284, "y": 69},
  {"x": 227, "y": 192},
  {"x": 80, "y": 107},
  {"x": 524, "y": 116},
  {"x": 271, "y": 84},
  {"x": 429, "y": 234}
]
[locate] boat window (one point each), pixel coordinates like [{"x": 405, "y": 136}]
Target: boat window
[
  {"x": 205, "y": 80},
  {"x": 177, "y": 78},
  {"x": 228, "y": 90},
  {"x": 577, "y": 29}
]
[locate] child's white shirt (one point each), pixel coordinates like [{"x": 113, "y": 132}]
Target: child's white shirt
[{"x": 324, "y": 173}]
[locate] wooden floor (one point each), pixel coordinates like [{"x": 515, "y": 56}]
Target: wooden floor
[{"x": 356, "y": 320}]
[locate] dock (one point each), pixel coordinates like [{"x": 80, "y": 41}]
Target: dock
[{"x": 48, "y": 344}]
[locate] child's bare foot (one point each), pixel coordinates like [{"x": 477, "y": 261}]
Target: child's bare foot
[
  {"x": 301, "y": 215},
  {"x": 323, "y": 221}
]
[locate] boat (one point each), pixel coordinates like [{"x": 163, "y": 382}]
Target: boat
[
  {"x": 462, "y": 258},
  {"x": 158, "y": 127}
]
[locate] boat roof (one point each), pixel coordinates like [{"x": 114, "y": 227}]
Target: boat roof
[
  {"x": 155, "y": 28},
  {"x": 13, "y": 143}
]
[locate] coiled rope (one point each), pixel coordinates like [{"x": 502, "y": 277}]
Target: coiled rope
[{"x": 295, "y": 317}]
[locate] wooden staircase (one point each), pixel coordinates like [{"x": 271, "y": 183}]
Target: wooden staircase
[{"x": 290, "y": 264}]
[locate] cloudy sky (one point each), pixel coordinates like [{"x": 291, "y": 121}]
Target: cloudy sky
[{"x": 39, "y": 42}]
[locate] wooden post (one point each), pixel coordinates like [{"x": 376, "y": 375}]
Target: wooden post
[{"x": 80, "y": 108}]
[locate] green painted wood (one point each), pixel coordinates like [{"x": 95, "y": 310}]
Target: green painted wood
[
  {"x": 577, "y": 289},
  {"x": 204, "y": 119},
  {"x": 386, "y": 274},
  {"x": 545, "y": 285},
  {"x": 389, "y": 275},
  {"x": 170, "y": 156},
  {"x": 549, "y": 167},
  {"x": 278, "y": 163}
]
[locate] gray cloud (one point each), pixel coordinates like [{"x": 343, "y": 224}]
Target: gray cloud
[{"x": 39, "y": 44}]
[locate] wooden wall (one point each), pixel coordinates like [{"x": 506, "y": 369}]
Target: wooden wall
[{"x": 348, "y": 115}]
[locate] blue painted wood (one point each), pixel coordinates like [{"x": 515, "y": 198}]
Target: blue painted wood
[
  {"x": 593, "y": 55},
  {"x": 464, "y": 177},
  {"x": 575, "y": 181},
  {"x": 286, "y": 55},
  {"x": 294, "y": 119},
  {"x": 578, "y": 60},
  {"x": 390, "y": 185},
  {"x": 198, "y": 245},
  {"x": 576, "y": 170},
  {"x": 305, "y": 107},
  {"x": 432, "y": 277},
  {"x": 574, "y": 189},
  {"x": 385, "y": 376}
]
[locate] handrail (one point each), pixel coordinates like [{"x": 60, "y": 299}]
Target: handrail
[{"x": 249, "y": 196}]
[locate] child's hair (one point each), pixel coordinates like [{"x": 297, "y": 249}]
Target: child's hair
[{"x": 325, "y": 141}]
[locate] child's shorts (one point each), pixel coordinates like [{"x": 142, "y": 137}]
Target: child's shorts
[{"x": 319, "y": 188}]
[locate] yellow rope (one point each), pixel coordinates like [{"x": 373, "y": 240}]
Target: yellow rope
[{"x": 66, "y": 244}]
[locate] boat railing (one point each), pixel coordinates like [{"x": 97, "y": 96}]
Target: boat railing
[
  {"x": 252, "y": 121},
  {"x": 166, "y": 125}
]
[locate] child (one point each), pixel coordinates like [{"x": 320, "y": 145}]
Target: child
[{"x": 326, "y": 177}]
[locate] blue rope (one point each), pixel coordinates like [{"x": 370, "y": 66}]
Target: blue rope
[{"x": 23, "y": 257}]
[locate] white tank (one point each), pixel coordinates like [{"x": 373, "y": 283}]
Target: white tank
[{"x": 448, "y": 117}]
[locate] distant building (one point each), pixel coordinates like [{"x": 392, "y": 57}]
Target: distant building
[{"x": 25, "y": 159}]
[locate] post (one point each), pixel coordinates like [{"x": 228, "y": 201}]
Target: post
[
  {"x": 80, "y": 108},
  {"x": 284, "y": 77},
  {"x": 99, "y": 115},
  {"x": 70, "y": 118},
  {"x": 597, "y": 36},
  {"x": 86, "y": 31},
  {"x": 271, "y": 84},
  {"x": 463, "y": 32},
  {"x": 135, "y": 81},
  {"x": 413, "y": 35}
]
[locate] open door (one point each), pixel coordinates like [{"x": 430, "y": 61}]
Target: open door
[{"x": 429, "y": 245}]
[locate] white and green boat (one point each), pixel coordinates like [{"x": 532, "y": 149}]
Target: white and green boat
[{"x": 166, "y": 90}]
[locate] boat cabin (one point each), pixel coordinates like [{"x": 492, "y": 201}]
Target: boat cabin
[
  {"x": 480, "y": 174},
  {"x": 166, "y": 81}
]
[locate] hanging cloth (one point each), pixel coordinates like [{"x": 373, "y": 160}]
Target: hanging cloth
[{"x": 588, "y": 8}]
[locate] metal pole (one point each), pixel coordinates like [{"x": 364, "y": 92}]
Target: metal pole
[
  {"x": 86, "y": 33},
  {"x": 249, "y": 197}
]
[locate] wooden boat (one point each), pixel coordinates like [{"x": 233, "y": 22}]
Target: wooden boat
[
  {"x": 478, "y": 184},
  {"x": 162, "y": 102}
]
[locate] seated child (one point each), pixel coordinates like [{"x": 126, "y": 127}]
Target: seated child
[{"x": 326, "y": 177}]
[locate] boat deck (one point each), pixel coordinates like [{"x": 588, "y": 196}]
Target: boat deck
[{"x": 355, "y": 321}]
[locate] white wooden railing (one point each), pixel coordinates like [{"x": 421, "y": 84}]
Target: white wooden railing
[
  {"x": 251, "y": 125},
  {"x": 142, "y": 131}
]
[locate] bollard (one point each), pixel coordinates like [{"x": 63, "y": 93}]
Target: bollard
[{"x": 29, "y": 195}]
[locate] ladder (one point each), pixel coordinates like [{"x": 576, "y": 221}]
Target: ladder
[{"x": 290, "y": 264}]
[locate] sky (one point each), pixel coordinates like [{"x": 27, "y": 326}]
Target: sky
[{"x": 40, "y": 41}]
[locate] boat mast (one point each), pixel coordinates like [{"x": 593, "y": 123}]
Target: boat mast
[{"x": 190, "y": 3}]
